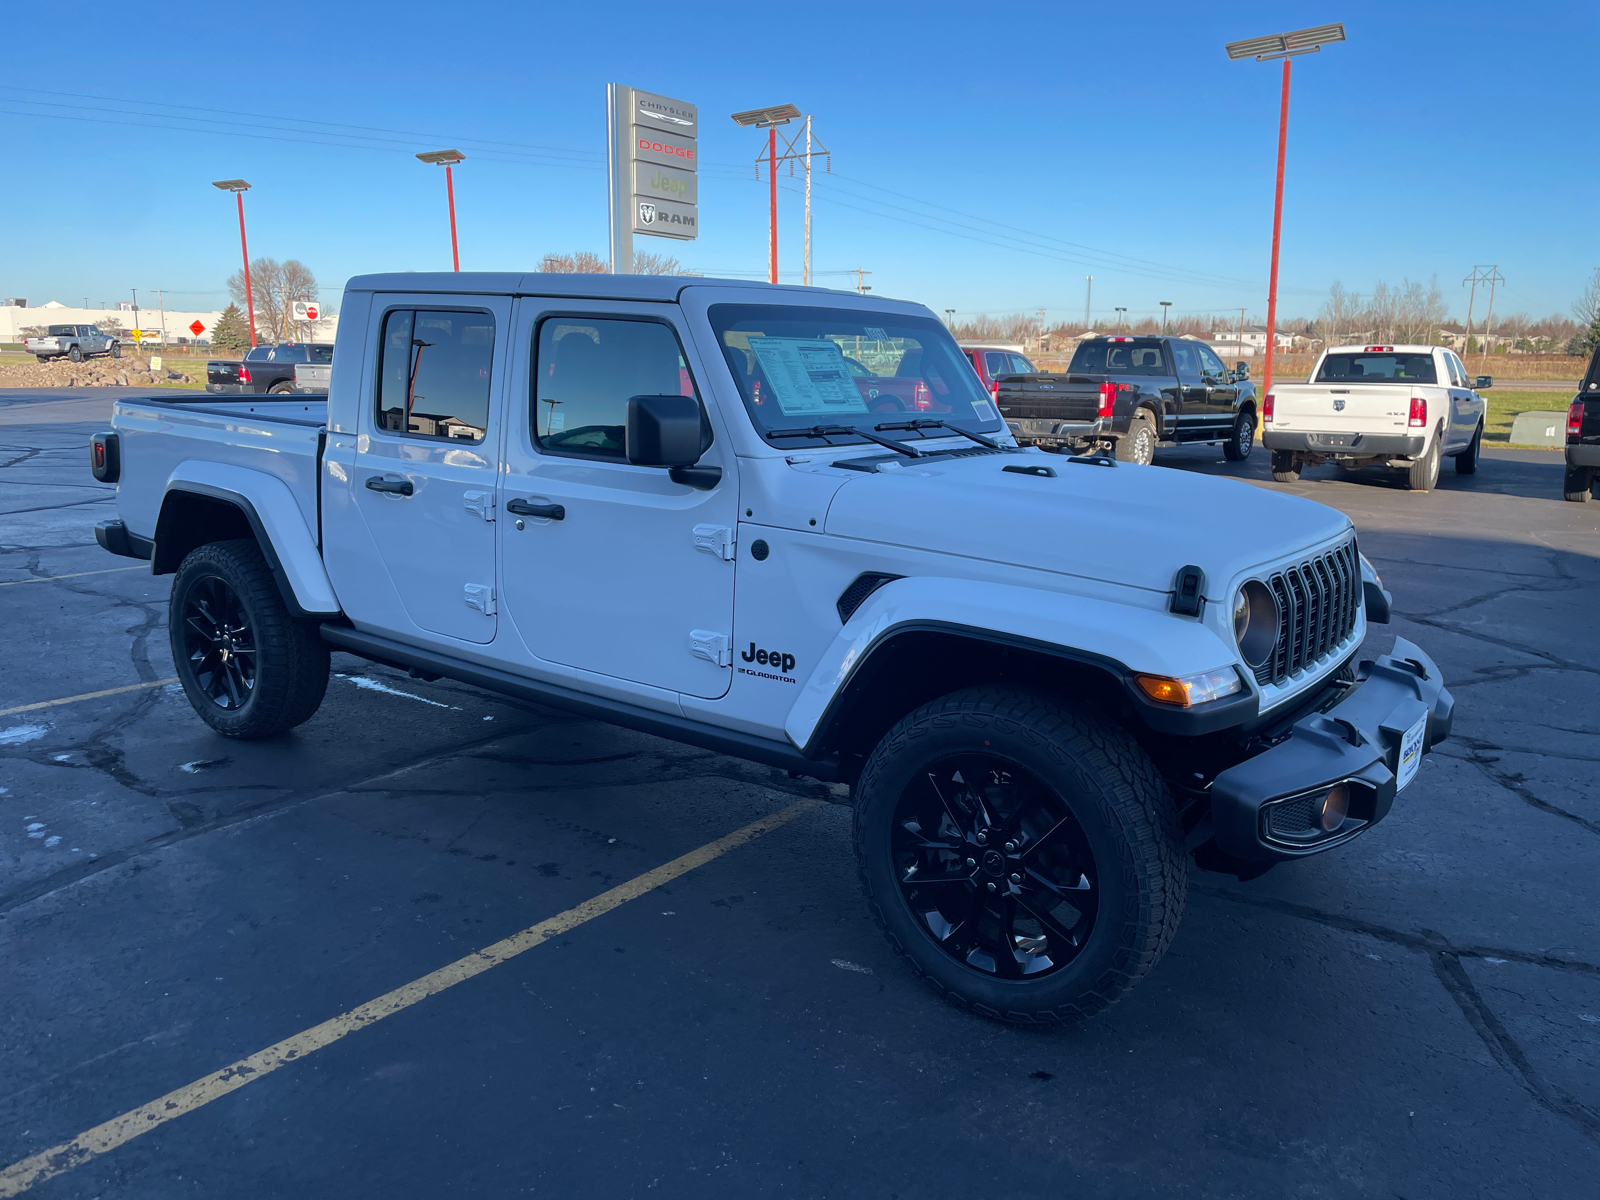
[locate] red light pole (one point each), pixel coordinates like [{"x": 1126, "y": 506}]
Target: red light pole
[
  {"x": 1264, "y": 49},
  {"x": 769, "y": 119},
  {"x": 446, "y": 159},
  {"x": 239, "y": 187}
]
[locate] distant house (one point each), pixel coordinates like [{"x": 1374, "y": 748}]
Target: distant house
[{"x": 1252, "y": 341}]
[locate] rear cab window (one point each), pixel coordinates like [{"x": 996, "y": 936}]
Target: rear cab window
[
  {"x": 259, "y": 354},
  {"x": 1133, "y": 356},
  {"x": 1377, "y": 367},
  {"x": 433, "y": 373},
  {"x": 587, "y": 368}
]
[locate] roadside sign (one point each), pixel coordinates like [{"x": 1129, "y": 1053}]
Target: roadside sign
[
  {"x": 197, "y": 328},
  {"x": 653, "y": 160},
  {"x": 137, "y": 337},
  {"x": 665, "y": 183},
  {"x": 664, "y": 218},
  {"x": 307, "y": 310}
]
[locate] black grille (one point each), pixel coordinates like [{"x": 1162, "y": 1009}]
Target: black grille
[
  {"x": 1292, "y": 818},
  {"x": 1317, "y": 604}
]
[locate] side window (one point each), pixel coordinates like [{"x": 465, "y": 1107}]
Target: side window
[
  {"x": 995, "y": 363},
  {"x": 1184, "y": 357},
  {"x": 586, "y": 369},
  {"x": 433, "y": 376},
  {"x": 1210, "y": 364},
  {"x": 1020, "y": 365},
  {"x": 1459, "y": 371}
]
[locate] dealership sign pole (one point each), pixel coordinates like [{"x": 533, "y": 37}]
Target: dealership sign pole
[
  {"x": 653, "y": 166},
  {"x": 1264, "y": 49}
]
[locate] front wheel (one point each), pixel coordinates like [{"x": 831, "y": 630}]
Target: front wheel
[
  {"x": 1243, "y": 438},
  {"x": 1025, "y": 858},
  {"x": 1138, "y": 445},
  {"x": 1467, "y": 460},
  {"x": 116, "y": 349},
  {"x": 248, "y": 667},
  {"x": 1423, "y": 473},
  {"x": 1578, "y": 484},
  {"x": 1286, "y": 466}
]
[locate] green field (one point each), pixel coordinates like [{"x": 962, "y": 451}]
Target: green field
[{"x": 1505, "y": 405}]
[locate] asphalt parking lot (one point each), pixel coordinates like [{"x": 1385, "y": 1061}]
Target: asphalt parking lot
[{"x": 1416, "y": 1014}]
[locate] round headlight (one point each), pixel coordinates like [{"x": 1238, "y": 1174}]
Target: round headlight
[{"x": 1255, "y": 622}]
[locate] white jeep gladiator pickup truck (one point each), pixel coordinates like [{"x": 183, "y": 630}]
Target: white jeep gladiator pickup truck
[
  {"x": 1399, "y": 406},
  {"x": 681, "y": 506}
]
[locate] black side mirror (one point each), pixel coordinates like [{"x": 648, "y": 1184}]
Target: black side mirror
[
  {"x": 663, "y": 431},
  {"x": 1483, "y": 381},
  {"x": 1241, "y": 370}
]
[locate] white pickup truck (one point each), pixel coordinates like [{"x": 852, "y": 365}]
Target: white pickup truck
[
  {"x": 680, "y": 506},
  {"x": 76, "y": 342},
  {"x": 1398, "y": 406}
]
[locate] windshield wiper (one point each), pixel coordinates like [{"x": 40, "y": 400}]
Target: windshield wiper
[
  {"x": 826, "y": 431},
  {"x": 917, "y": 424}
]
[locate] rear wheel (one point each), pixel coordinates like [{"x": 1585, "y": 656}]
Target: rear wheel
[
  {"x": 75, "y": 354},
  {"x": 1579, "y": 484},
  {"x": 248, "y": 667},
  {"x": 281, "y": 387},
  {"x": 1285, "y": 466},
  {"x": 1026, "y": 859},
  {"x": 1467, "y": 460},
  {"x": 1138, "y": 445},
  {"x": 1243, "y": 438},
  {"x": 1424, "y": 472},
  {"x": 116, "y": 349}
]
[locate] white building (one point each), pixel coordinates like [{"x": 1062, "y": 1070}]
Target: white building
[
  {"x": 149, "y": 321},
  {"x": 1251, "y": 342}
]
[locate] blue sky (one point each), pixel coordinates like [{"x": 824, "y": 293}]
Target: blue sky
[{"x": 1113, "y": 140}]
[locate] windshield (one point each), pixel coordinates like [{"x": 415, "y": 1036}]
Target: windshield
[
  {"x": 1125, "y": 356},
  {"x": 61, "y": 331},
  {"x": 797, "y": 367},
  {"x": 1377, "y": 368}
]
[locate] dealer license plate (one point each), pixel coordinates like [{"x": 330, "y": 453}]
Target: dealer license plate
[{"x": 1411, "y": 752}]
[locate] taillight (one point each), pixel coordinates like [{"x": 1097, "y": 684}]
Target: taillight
[
  {"x": 1575, "y": 419},
  {"x": 244, "y": 373},
  {"x": 105, "y": 458},
  {"x": 1266, "y": 408},
  {"x": 99, "y": 457},
  {"x": 920, "y": 396},
  {"x": 1108, "y": 399},
  {"x": 994, "y": 390},
  {"x": 1419, "y": 412}
]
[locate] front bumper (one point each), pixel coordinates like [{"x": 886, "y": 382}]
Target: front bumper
[
  {"x": 1260, "y": 808},
  {"x": 1398, "y": 444}
]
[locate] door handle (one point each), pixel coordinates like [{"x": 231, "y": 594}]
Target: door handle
[
  {"x": 394, "y": 487},
  {"x": 525, "y": 508}
]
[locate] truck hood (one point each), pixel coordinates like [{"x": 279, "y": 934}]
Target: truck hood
[{"x": 1126, "y": 525}]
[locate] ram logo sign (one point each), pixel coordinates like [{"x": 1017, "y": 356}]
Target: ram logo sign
[
  {"x": 1338, "y": 406},
  {"x": 647, "y": 214}
]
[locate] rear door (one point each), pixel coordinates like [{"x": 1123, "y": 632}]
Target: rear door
[
  {"x": 426, "y": 465},
  {"x": 1222, "y": 392},
  {"x": 619, "y": 570},
  {"x": 1194, "y": 413}
]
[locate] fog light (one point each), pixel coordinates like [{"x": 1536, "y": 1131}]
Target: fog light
[{"x": 1331, "y": 810}]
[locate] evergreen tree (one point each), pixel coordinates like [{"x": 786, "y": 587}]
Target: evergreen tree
[{"x": 231, "y": 334}]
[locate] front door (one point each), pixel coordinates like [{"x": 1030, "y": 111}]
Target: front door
[
  {"x": 1193, "y": 415},
  {"x": 426, "y": 466},
  {"x": 612, "y": 568},
  {"x": 1222, "y": 392}
]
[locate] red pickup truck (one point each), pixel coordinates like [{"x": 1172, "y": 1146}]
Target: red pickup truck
[{"x": 994, "y": 359}]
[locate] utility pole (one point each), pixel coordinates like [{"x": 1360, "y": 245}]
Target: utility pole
[
  {"x": 161, "y": 300},
  {"x": 793, "y": 154},
  {"x": 1488, "y": 325},
  {"x": 1481, "y": 274},
  {"x": 806, "y": 280},
  {"x": 769, "y": 119},
  {"x": 1041, "y": 331},
  {"x": 135, "y": 292},
  {"x": 1241, "y": 334},
  {"x": 1088, "y": 295},
  {"x": 861, "y": 273}
]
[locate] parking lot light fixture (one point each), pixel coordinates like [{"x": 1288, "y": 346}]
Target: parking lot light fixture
[
  {"x": 1165, "y": 305},
  {"x": 1121, "y": 320},
  {"x": 238, "y": 187},
  {"x": 769, "y": 119},
  {"x": 1265, "y": 49},
  {"x": 448, "y": 159}
]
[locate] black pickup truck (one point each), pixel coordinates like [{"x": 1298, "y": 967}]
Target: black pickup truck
[
  {"x": 264, "y": 368},
  {"x": 1583, "y": 435},
  {"x": 1126, "y": 395}
]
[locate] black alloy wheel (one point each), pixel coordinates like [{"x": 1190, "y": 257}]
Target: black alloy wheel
[
  {"x": 994, "y": 865},
  {"x": 220, "y": 649}
]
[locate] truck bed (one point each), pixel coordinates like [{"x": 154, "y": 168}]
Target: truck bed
[{"x": 279, "y": 437}]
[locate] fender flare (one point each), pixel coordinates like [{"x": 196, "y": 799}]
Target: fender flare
[
  {"x": 280, "y": 529},
  {"x": 1126, "y": 640}
]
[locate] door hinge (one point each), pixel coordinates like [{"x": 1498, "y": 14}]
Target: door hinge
[
  {"x": 713, "y": 647},
  {"x": 481, "y": 597},
  {"x": 480, "y": 504},
  {"x": 716, "y": 540}
]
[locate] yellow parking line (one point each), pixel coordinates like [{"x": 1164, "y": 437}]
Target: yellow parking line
[
  {"x": 70, "y": 575},
  {"x": 91, "y": 1143},
  {"x": 116, "y": 691}
]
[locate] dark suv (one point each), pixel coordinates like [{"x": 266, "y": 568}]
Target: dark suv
[{"x": 1583, "y": 435}]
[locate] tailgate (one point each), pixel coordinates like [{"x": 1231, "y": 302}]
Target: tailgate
[
  {"x": 1047, "y": 397},
  {"x": 222, "y": 372},
  {"x": 1349, "y": 408}
]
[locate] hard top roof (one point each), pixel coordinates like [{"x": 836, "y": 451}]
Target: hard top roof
[{"x": 660, "y": 288}]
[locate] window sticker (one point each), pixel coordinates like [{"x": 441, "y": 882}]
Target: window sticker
[
  {"x": 875, "y": 333},
  {"x": 808, "y": 375},
  {"x": 558, "y": 422},
  {"x": 981, "y": 407}
]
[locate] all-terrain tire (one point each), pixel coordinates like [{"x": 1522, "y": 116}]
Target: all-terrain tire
[
  {"x": 1243, "y": 438},
  {"x": 1123, "y": 810},
  {"x": 1578, "y": 485},
  {"x": 1138, "y": 445},
  {"x": 1285, "y": 466},
  {"x": 1467, "y": 460},
  {"x": 75, "y": 354},
  {"x": 116, "y": 349},
  {"x": 287, "y": 658},
  {"x": 282, "y": 387},
  {"x": 1423, "y": 474}
]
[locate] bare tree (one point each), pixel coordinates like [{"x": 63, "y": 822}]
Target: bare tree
[
  {"x": 275, "y": 287},
  {"x": 1336, "y": 316},
  {"x": 296, "y": 283},
  {"x": 583, "y": 262},
  {"x": 645, "y": 263}
]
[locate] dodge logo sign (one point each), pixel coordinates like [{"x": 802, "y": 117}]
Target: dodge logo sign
[
  {"x": 647, "y": 214},
  {"x": 1338, "y": 406}
]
